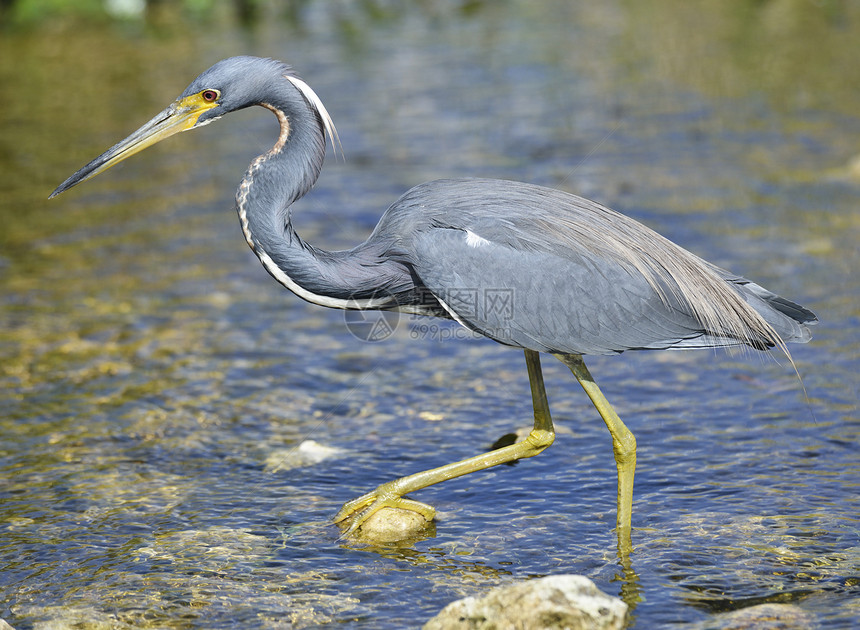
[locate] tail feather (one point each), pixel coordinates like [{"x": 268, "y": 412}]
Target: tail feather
[{"x": 790, "y": 320}]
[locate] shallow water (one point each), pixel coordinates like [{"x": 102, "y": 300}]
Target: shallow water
[{"x": 157, "y": 385}]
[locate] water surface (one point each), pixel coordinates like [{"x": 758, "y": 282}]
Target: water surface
[{"x": 156, "y": 384}]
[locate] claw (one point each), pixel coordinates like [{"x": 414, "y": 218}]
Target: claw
[{"x": 366, "y": 516}]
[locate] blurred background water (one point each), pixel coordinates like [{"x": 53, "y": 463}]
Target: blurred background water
[{"x": 157, "y": 384}]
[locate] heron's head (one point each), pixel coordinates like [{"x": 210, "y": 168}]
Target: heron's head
[{"x": 229, "y": 85}]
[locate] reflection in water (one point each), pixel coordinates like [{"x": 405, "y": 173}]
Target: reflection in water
[
  {"x": 149, "y": 370},
  {"x": 630, "y": 590},
  {"x": 438, "y": 560}
]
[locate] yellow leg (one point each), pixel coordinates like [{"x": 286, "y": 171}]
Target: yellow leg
[
  {"x": 623, "y": 445},
  {"x": 391, "y": 494}
]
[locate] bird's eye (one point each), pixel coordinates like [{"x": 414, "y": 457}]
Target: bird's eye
[{"x": 210, "y": 96}]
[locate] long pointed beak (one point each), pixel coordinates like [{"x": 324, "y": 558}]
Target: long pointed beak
[{"x": 182, "y": 115}]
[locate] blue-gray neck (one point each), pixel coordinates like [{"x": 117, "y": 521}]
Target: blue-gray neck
[{"x": 344, "y": 279}]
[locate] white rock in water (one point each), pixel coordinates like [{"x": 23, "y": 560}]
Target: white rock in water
[
  {"x": 307, "y": 453},
  {"x": 572, "y": 602}
]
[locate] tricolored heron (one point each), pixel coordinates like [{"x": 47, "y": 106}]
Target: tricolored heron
[{"x": 581, "y": 278}]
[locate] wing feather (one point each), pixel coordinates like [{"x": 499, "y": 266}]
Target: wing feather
[
  {"x": 544, "y": 302},
  {"x": 584, "y": 278}
]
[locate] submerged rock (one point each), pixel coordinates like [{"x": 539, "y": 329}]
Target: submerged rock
[
  {"x": 390, "y": 525},
  {"x": 307, "y": 453},
  {"x": 761, "y": 617},
  {"x": 558, "y": 601}
]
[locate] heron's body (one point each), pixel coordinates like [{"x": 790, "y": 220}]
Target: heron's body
[
  {"x": 552, "y": 272},
  {"x": 527, "y": 266}
]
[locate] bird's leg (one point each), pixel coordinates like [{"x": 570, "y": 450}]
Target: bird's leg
[
  {"x": 391, "y": 494},
  {"x": 623, "y": 445}
]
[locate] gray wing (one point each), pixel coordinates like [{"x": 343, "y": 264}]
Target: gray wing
[
  {"x": 537, "y": 300},
  {"x": 546, "y": 270}
]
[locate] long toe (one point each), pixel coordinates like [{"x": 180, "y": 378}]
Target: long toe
[{"x": 384, "y": 519}]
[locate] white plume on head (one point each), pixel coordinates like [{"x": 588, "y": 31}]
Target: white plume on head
[{"x": 317, "y": 104}]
